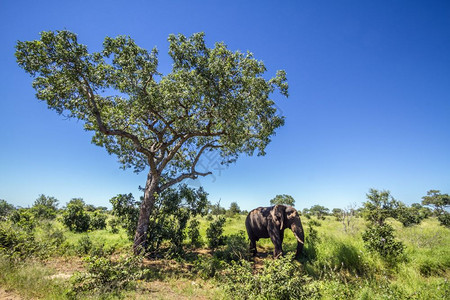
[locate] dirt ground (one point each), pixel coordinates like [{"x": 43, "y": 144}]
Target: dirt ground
[{"x": 8, "y": 295}]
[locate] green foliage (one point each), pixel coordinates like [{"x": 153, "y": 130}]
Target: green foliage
[
  {"x": 379, "y": 207},
  {"x": 45, "y": 207},
  {"x": 319, "y": 211},
  {"x": 216, "y": 209},
  {"x": 24, "y": 218},
  {"x": 126, "y": 209},
  {"x": 172, "y": 211},
  {"x": 208, "y": 267},
  {"x": 214, "y": 233},
  {"x": 337, "y": 213},
  {"x": 97, "y": 220},
  {"x": 16, "y": 242},
  {"x": 233, "y": 210},
  {"x": 235, "y": 248},
  {"x": 379, "y": 235},
  {"x": 409, "y": 215},
  {"x": 283, "y": 199},
  {"x": 5, "y": 209},
  {"x": 75, "y": 216},
  {"x": 381, "y": 239},
  {"x": 199, "y": 106},
  {"x": 444, "y": 218},
  {"x": 440, "y": 203},
  {"x": 104, "y": 275},
  {"x": 279, "y": 279},
  {"x": 194, "y": 233},
  {"x": 114, "y": 223}
]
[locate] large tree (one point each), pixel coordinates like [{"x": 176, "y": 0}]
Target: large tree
[{"x": 212, "y": 100}]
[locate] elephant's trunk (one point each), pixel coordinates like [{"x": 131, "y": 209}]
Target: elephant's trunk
[{"x": 297, "y": 229}]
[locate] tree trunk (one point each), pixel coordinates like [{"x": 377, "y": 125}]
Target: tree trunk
[{"x": 140, "y": 238}]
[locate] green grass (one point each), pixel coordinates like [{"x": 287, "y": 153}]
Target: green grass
[{"x": 31, "y": 279}]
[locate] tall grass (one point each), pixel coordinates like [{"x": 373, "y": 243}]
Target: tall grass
[{"x": 31, "y": 279}]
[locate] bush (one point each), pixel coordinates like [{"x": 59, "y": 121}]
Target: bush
[
  {"x": 114, "y": 224},
  {"x": 97, "y": 220},
  {"x": 126, "y": 209},
  {"x": 5, "y": 209},
  {"x": 207, "y": 267},
  {"x": 409, "y": 216},
  {"x": 444, "y": 219},
  {"x": 194, "y": 234},
  {"x": 23, "y": 218},
  {"x": 214, "y": 233},
  {"x": 380, "y": 239},
  {"x": 45, "y": 207},
  {"x": 75, "y": 216},
  {"x": 279, "y": 279},
  {"x": 235, "y": 249},
  {"x": 16, "y": 242},
  {"x": 106, "y": 276}
]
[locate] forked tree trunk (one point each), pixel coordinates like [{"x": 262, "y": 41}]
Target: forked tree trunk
[{"x": 140, "y": 238}]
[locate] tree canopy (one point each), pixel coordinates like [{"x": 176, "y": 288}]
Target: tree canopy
[
  {"x": 283, "y": 199},
  {"x": 212, "y": 100}
]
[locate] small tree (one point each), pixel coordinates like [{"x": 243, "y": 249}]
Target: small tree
[
  {"x": 5, "y": 209},
  {"x": 75, "y": 216},
  {"x": 126, "y": 209},
  {"x": 194, "y": 233},
  {"x": 283, "y": 199},
  {"x": 337, "y": 213},
  {"x": 212, "y": 100},
  {"x": 214, "y": 233},
  {"x": 409, "y": 216},
  {"x": 379, "y": 207},
  {"x": 379, "y": 235},
  {"x": 440, "y": 203},
  {"x": 234, "y": 209},
  {"x": 45, "y": 207},
  {"x": 97, "y": 220},
  {"x": 319, "y": 211}
]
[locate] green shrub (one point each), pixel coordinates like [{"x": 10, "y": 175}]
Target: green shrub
[
  {"x": 193, "y": 233},
  {"x": 444, "y": 219},
  {"x": 17, "y": 242},
  {"x": 214, "y": 233},
  {"x": 235, "y": 249},
  {"x": 126, "y": 209},
  {"x": 97, "y": 220},
  {"x": 45, "y": 207},
  {"x": 409, "y": 215},
  {"x": 114, "y": 224},
  {"x": 84, "y": 245},
  {"x": 75, "y": 216},
  {"x": 207, "y": 267},
  {"x": 104, "y": 275},
  {"x": 279, "y": 279},
  {"x": 23, "y": 218},
  {"x": 380, "y": 239},
  {"x": 5, "y": 209}
]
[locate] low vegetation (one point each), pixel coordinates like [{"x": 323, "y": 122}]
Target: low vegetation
[{"x": 367, "y": 253}]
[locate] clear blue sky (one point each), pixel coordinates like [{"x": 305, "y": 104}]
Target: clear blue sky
[{"x": 369, "y": 103}]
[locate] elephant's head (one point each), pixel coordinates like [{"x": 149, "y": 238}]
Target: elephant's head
[{"x": 288, "y": 217}]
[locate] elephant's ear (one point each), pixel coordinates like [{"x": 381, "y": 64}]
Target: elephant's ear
[{"x": 278, "y": 215}]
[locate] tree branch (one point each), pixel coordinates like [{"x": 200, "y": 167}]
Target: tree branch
[{"x": 193, "y": 174}]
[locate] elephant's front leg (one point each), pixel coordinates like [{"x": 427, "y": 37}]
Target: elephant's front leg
[
  {"x": 253, "y": 247},
  {"x": 277, "y": 240}
]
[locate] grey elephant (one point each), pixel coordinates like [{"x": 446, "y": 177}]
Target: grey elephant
[{"x": 270, "y": 222}]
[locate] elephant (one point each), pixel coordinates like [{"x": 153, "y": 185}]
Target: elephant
[{"x": 270, "y": 222}]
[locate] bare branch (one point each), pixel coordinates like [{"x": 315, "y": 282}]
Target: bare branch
[{"x": 193, "y": 174}]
